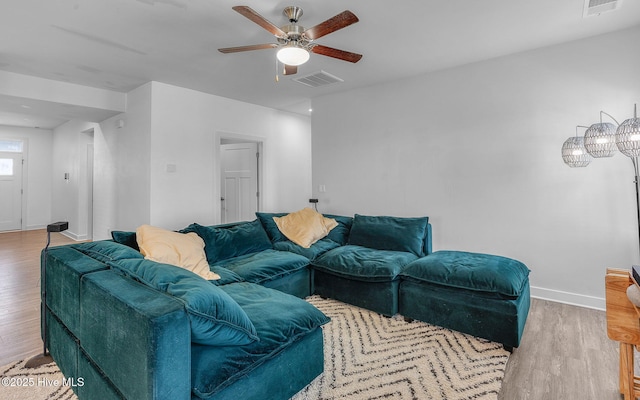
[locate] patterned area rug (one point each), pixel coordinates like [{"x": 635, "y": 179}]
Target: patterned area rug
[{"x": 367, "y": 356}]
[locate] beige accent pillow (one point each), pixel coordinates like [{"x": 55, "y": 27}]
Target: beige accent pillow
[
  {"x": 179, "y": 249},
  {"x": 305, "y": 227}
]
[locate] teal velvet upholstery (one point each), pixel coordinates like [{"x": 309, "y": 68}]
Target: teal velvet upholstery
[
  {"x": 63, "y": 344},
  {"x": 339, "y": 234},
  {"x": 500, "y": 320},
  {"x": 361, "y": 276},
  {"x": 222, "y": 243},
  {"x": 296, "y": 284},
  {"x": 269, "y": 225},
  {"x": 279, "y": 377},
  {"x": 226, "y": 276},
  {"x": 264, "y": 266},
  {"x": 216, "y": 319},
  {"x": 381, "y": 297},
  {"x": 487, "y": 273},
  {"x": 316, "y": 249},
  {"x": 65, "y": 268},
  {"x": 390, "y": 233},
  {"x": 96, "y": 385},
  {"x": 280, "y": 320},
  {"x": 107, "y": 251},
  {"x": 363, "y": 264},
  {"x": 136, "y": 336},
  {"x": 127, "y": 238}
]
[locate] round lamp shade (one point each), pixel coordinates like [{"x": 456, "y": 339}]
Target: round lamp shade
[
  {"x": 600, "y": 140},
  {"x": 574, "y": 153},
  {"x": 292, "y": 55},
  {"x": 628, "y": 137}
]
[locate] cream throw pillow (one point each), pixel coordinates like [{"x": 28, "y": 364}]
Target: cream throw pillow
[
  {"x": 305, "y": 227},
  {"x": 179, "y": 249}
]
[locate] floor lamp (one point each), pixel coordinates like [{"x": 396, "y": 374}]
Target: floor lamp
[
  {"x": 603, "y": 139},
  {"x": 45, "y": 357}
]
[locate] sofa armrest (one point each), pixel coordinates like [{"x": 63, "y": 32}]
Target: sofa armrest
[{"x": 138, "y": 337}]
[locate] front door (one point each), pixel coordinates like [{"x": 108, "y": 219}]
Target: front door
[
  {"x": 10, "y": 191},
  {"x": 239, "y": 189}
]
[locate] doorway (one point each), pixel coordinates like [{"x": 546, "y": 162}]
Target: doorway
[
  {"x": 11, "y": 166},
  {"x": 239, "y": 180}
]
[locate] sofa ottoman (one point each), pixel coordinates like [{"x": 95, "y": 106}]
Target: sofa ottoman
[{"x": 480, "y": 294}]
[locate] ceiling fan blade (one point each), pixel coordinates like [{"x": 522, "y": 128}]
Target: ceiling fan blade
[
  {"x": 290, "y": 69},
  {"x": 260, "y": 20},
  {"x": 339, "y": 21},
  {"x": 335, "y": 53},
  {"x": 238, "y": 49}
]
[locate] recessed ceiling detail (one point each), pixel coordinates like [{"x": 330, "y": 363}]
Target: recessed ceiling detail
[{"x": 318, "y": 79}]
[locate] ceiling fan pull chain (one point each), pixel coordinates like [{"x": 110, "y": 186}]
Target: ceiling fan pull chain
[{"x": 277, "y": 77}]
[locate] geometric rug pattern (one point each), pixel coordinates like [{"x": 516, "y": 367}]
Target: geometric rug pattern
[{"x": 367, "y": 356}]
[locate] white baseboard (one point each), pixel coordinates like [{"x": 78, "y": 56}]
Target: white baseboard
[
  {"x": 35, "y": 227},
  {"x": 573, "y": 299},
  {"x": 75, "y": 236}
]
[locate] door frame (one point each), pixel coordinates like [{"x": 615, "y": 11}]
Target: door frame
[
  {"x": 25, "y": 171},
  {"x": 230, "y": 137}
]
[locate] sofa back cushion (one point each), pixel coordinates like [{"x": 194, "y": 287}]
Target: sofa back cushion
[
  {"x": 390, "y": 233},
  {"x": 305, "y": 227},
  {"x": 105, "y": 250},
  {"x": 222, "y": 243},
  {"x": 185, "y": 250},
  {"x": 339, "y": 234},
  {"x": 216, "y": 319}
]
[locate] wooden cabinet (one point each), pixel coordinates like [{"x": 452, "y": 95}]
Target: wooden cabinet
[{"x": 623, "y": 325}]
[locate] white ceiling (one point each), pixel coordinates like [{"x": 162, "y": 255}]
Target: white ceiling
[{"x": 122, "y": 44}]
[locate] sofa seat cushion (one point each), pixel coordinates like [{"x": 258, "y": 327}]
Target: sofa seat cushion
[
  {"x": 316, "y": 249},
  {"x": 264, "y": 266},
  {"x": 363, "y": 264},
  {"x": 280, "y": 320},
  {"x": 216, "y": 319},
  {"x": 487, "y": 273}
]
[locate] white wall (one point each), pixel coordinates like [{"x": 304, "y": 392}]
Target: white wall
[
  {"x": 37, "y": 168},
  {"x": 166, "y": 124},
  {"x": 186, "y": 129},
  {"x": 477, "y": 149},
  {"x": 70, "y": 201}
]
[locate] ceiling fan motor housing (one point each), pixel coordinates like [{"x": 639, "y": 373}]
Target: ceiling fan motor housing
[{"x": 293, "y": 13}]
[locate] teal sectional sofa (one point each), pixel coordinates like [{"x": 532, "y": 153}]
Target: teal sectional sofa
[{"x": 139, "y": 329}]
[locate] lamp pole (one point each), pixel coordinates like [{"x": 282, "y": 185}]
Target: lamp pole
[{"x": 636, "y": 182}]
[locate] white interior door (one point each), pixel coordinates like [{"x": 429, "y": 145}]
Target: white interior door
[
  {"x": 239, "y": 181},
  {"x": 10, "y": 191}
]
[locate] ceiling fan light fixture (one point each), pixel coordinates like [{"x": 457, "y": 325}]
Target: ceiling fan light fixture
[{"x": 293, "y": 55}]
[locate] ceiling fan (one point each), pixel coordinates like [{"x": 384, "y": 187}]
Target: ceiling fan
[{"x": 295, "y": 43}]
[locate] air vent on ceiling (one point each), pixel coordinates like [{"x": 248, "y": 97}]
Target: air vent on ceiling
[
  {"x": 318, "y": 79},
  {"x": 596, "y": 7}
]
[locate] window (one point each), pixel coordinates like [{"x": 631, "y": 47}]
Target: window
[
  {"x": 11, "y": 146},
  {"x": 6, "y": 166}
]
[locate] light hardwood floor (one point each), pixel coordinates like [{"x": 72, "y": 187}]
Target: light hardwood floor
[
  {"x": 20, "y": 292},
  {"x": 564, "y": 354}
]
